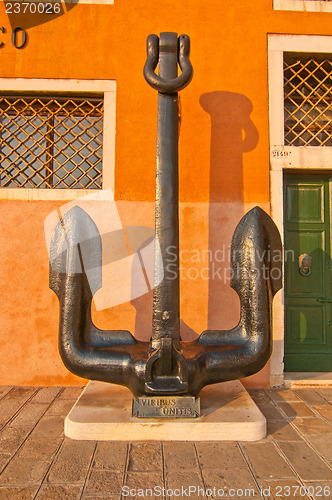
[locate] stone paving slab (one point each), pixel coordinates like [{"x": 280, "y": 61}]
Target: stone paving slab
[
  {"x": 294, "y": 461},
  {"x": 181, "y": 457},
  {"x": 110, "y": 455}
]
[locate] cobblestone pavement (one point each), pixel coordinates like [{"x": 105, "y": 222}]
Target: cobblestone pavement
[{"x": 294, "y": 461}]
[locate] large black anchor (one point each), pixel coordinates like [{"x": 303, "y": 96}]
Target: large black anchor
[{"x": 165, "y": 366}]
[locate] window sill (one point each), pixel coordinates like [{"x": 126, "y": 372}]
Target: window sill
[
  {"x": 303, "y": 5},
  {"x": 26, "y": 194}
]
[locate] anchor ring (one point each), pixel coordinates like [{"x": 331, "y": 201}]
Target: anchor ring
[{"x": 175, "y": 84}]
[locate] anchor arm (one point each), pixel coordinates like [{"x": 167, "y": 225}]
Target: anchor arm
[
  {"x": 75, "y": 275},
  {"x": 256, "y": 278}
]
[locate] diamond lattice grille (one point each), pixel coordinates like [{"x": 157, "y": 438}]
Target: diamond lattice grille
[
  {"x": 51, "y": 142},
  {"x": 308, "y": 100}
]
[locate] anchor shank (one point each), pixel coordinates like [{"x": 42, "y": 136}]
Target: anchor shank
[{"x": 165, "y": 322}]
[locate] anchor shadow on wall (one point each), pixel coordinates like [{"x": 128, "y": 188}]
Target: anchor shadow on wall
[{"x": 232, "y": 135}]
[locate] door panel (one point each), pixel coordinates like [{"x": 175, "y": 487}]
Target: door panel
[
  {"x": 305, "y": 204},
  {"x": 306, "y": 324},
  {"x": 308, "y": 296},
  {"x": 313, "y": 243}
]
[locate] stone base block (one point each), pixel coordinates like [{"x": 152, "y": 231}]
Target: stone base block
[{"x": 103, "y": 413}]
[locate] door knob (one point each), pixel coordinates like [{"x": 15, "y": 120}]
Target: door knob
[{"x": 305, "y": 261}]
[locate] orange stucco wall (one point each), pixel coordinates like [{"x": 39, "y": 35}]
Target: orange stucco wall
[{"x": 224, "y": 155}]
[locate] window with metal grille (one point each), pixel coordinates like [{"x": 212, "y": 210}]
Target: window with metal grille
[
  {"x": 308, "y": 99},
  {"x": 51, "y": 142}
]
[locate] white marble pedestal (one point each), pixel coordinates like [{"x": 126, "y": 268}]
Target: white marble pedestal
[{"x": 103, "y": 412}]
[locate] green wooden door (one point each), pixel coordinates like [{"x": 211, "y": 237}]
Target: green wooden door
[{"x": 308, "y": 291}]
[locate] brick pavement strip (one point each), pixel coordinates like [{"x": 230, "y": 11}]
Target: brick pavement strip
[
  {"x": 228, "y": 479},
  {"x": 306, "y": 462},
  {"x": 314, "y": 425},
  {"x": 110, "y": 455},
  {"x": 296, "y": 409},
  {"x": 323, "y": 445},
  {"x": 4, "y": 459},
  {"x": 99, "y": 496},
  {"x": 179, "y": 456},
  {"x": 71, "y": 393},
  {"x": 49, "y": 426},
  {"x": 143, "y": 480},
  {"x": 12, "y": 437},
  {"x": 20, "y": 393},
  {"x": 326, "y": 393},
  {"x": 325, "y": 411},
  {"x": 179, "y": 480},
  {"x": 282, "y": 395},
  {"x": 72, "y": 463},
  {"x": 271, "y": 412},
  {"x": 24, "y": 472},
  {"x": 283, "y": 431},
  {"x": 321, "y": 490},
  {"x": 145, "y": 457},
  {"x": 105, "y": 482},
  {"x": 51, "y": 492},
  {"x": 259, "y": 396},
  {"x": 29, "y": 415},
  {"x": 4, "y": 389},
  {"x": 214, "y": 454},
  {"x": 267, "y": 461},
  {"x": 61, "y": 407},
  {"x": 311, "y": 397},
  {"x": 46, "y": 395},
  {"x": 17, "y": 493},
  {"x": 13, "y": 401},
  {"x": 39, "y": 448},
  {"x": 103, "y": 497}
]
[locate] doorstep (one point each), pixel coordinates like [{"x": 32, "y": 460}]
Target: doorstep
[{"x": 295, "y": 380}]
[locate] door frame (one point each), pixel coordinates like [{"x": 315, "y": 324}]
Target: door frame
[{"x": 299, "y": 159}]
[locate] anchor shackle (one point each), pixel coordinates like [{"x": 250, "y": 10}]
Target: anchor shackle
[{"x": 155, "y": 48}]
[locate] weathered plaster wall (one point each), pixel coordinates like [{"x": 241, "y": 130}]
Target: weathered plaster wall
[{"x": 224, "y": 156}]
